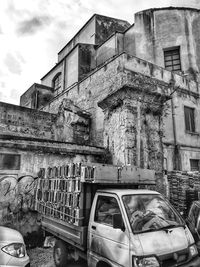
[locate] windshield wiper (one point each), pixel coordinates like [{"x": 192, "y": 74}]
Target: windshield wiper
[
  {"x": 170, "y": 226},
  {"x": 165, "y": 228}
]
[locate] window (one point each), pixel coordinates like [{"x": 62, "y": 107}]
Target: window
[
  {"x": 10, "y": 161},
  {"x": 57, "y": 82},
  {"x": 189, "y": 119},
  {"x": 194, "y": 165},
  {"x": 105, "y": 209},
  {"x": 172, "y": 59}
]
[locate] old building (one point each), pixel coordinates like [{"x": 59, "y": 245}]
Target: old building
[
  {"x": 162, "y": 45},
  {"x": 119, "y": 93}
]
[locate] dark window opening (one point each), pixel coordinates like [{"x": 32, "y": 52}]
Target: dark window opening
[
  {"x": 189, "y": 119},
  {"x": 194, "y": 164},
  {"x": 57, "y": 82},
  {"x": 10, "y": 162},
  {"x": 172, "y": 59}
]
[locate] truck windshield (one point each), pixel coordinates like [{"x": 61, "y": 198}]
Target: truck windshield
[{"x": 150, "y": 212}]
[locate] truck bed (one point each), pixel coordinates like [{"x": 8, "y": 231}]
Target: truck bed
[{"x": 74, "y": 235}]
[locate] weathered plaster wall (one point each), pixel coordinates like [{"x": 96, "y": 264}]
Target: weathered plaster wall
[
  {"x": 68, "y": 68},
  {"x": 136, "y": 72},
  {"x": 48, "y": 78},
  {"x": 129, "y": 41},
  {"x": 106, "y": 26},
  {"x": 188, "y": 143},
  {"x": 85, "y": 35},
  {"x": 86, "y": 60},
  {"x": 17, "y": 185},
  {"x": 95, "y": 32},
  {"x": 133, "y": 128},
  {"x": 188, "y": 153},
  {"x": 108, "y": 79},
  {"x": 106, "y": 50},
  {"x": 71, "y": 69},
  {"x": 25, "y": 122},
  {"x": 184, "y": 137},
  {"x": 157, "y": 29},
  {"x": 70, "y": 124}
]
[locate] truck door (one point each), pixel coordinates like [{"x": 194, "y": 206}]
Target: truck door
[{"x": 105, "y": 242}]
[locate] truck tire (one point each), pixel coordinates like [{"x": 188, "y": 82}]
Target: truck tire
[{"x": 60, "y": 254}]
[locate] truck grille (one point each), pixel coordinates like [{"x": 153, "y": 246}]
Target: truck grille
[{"x": 174, "y": 259}]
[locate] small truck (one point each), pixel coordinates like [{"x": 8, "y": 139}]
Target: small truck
[
  {"x": 108, "y": 216},
  {"x": 193, "y": 222}
]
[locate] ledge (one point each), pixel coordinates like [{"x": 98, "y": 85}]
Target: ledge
[{"x": 54, "y": 147}]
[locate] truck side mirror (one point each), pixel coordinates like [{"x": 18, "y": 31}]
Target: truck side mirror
[{"x": 118, "y": 221}]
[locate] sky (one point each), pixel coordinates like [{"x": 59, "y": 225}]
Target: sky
[{"x": 32, "y": 32}]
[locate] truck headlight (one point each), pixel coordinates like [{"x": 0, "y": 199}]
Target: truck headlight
[
  {"x": 193, "y": 251},
  {"x": 149, "y": 261},
  {"x": 15, "y": 249}
]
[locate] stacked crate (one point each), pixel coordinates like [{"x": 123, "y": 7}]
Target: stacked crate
[
  {"x": 59, "y": 193},
  {"x": 184, "y": 189}
]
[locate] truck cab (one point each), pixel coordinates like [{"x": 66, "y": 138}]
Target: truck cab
[
  {"x": 100, "y": 213},
  {"x": 137, "y": 228},
  {"x": 193, "y": 222}
]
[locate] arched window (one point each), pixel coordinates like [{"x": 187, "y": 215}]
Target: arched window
[{"x": 56, "y": 83}]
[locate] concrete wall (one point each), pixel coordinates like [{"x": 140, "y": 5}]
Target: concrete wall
[
  {"x": 17, "y": 186},
  {"x": 188, "y": 143},
  {"x": 95, "y": 31},
  {"x": 68, "y": 68},
  {"x": 25, "y": 122},
  {"x": 71, "y": 69},
  {"x": 70, "y": 124},
  {"x": 133, "y": 128},
  {"x": 126, "y": 69},
  {"x": 47, "y": 80},
  {"x": 109, "y": 78},
  {"x": 86, "y": 60},
  {"x": 85, "y": 35},
  {"x": 106, "y": 26},
  {"x": 158, "y": 29}
]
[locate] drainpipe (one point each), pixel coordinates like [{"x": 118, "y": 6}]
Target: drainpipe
[
  {"x": 64, "y": 70},
  {"x": 176, "y": 147},
  {"x": 138, "y": 132}
]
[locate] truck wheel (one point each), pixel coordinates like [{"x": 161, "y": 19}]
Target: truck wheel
[{"x": 60, "y": 254}]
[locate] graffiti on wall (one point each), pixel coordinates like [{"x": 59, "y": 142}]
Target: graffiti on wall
[{"x": 17, "y": 202}]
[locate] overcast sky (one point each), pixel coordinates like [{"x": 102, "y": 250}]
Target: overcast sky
[{"x": 32, "y": 32}]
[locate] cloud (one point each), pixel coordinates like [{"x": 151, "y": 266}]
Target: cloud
[
  {"x": 185, "y": 3},
  {"x": 32, "y": 25},
  {"x": 15, "y": 13},
  {"x": 13, "y": 64},
  {"x": 2, "y": 85}
]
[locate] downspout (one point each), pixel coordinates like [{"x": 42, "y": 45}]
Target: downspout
[
  {"x": 176, "y": 147},
  {"x": 64, "y": 70},
  {"x": 138, "y": 132}
]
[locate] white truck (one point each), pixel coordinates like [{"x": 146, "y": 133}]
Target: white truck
[{"x": 100, "y": 214}]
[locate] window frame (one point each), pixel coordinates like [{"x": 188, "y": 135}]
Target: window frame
[
  {"x": 56, "y": 88},
  {"x": 198, "y": 163},
  {"x": 172, "y": 60},
  {"x": 191, "y": 120},
  {"x": 97, "y": 209}
]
